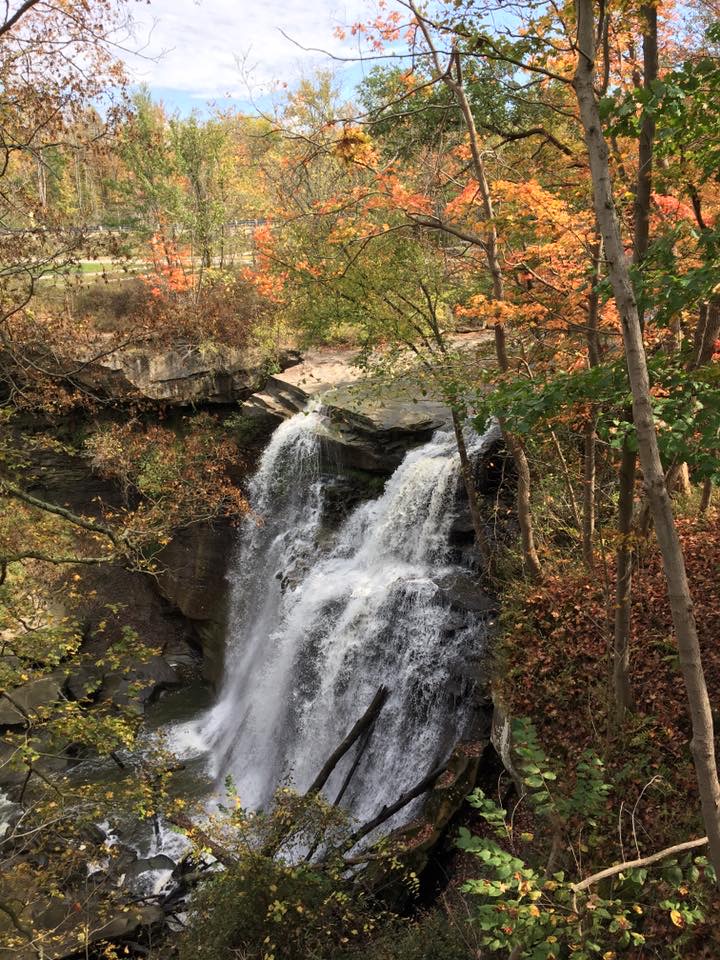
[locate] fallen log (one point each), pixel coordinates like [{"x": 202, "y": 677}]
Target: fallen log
[
  {"x": 355, "y": 764},
  {"x": 641, "y": 862},
  {"x": 390, "y": 810},
  {"x": 365, "y": 721}
]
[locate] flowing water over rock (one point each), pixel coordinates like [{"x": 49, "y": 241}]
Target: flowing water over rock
[{"x": 319, "y": 621}]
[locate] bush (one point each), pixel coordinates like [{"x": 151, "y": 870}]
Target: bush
[
  {"x": 270, "y": 903},
  {"x": 435, "y": 936},
  {"x": 267, "y": 910}
]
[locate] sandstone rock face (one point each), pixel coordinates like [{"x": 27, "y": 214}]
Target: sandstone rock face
[
  {"x": 373, "y": 424},
  {"x": 193, "y": 579},
  {"x": 179, "y": 375}
]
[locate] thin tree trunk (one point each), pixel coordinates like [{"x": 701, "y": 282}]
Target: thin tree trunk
[
  {"x": 706, "y": 498},
  {"x": 513, "y": 443},
  {"x": 565, "y": 470},
  {"x": 707, "y": 332},
  {"x": 646, "y": 143},
  {"x": 681, "y": 604},
  {"x": 589, "y": 446},
  {"x": 466, "y": 471},
  {"x": 455, "y": 84},
  {"x": 622, "y": 688},
  {"x": 683, "y": 487},
  {"x": 524, "y": 508},
  {"x": 588, "y": 512}
]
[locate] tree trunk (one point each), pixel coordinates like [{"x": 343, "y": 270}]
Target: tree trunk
[
  {"x": 451, "y": 76},
  {"x": 524, "y": 509},
  {"x": 588, "y": 512},
  {"x": 622, "y": 687},
  {"x": 565, "y": 471},
  {"x": 589, "y": 447},
  {"x": 466, "y": 471},
  {"x": 706, "y": 497},
  {"x": 364, "y": 723},
  {"x": 703, "y": 742},
  {"x": 513, "y": 443},
  {"x": 683, "y": 487},
  {"x": 707, "y": 332},
  {"x": 646, "y": 144}
]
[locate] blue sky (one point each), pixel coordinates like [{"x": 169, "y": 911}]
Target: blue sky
[{"x": 233, "y": 53}]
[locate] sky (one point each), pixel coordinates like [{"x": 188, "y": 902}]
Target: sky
[{"x": 232, "y": 52}]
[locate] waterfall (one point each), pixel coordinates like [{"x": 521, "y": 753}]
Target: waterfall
[{"x": 318, "y": 621}]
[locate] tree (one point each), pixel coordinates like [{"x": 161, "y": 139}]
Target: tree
[{"x": 703, "y": 745}]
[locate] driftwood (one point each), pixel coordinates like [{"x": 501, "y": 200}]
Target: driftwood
[
  {"x": 363, "y": 724},
  {"x": 355, "y": 764}
]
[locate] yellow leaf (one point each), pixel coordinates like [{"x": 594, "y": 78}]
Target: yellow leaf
[{"x": 677, "y": 918}]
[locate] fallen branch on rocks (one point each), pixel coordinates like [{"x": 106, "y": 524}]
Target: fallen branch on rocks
[{"x": 222, "y": 855}]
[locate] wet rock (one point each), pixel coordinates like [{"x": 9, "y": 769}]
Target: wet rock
[
  {"x": 211, "y": 634},
  {"x": 145, "y": 681},
  {"x": 149, "y": 865},
  {"x": 183, "y": 657},
  {"x": 464, "y": 593},
  {"x": 84, "y": 681},
  {"x": 24, "y": 701},
  {"x": 193, "y": 567},
  {"x": 193, "y": 578},
  {"x": 130, "y": 924},
  {"x": 373, "y": 424}
]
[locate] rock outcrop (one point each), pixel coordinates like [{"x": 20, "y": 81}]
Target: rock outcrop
[
  {"x": 192, "y": 578},
  {"x": 373, "y": 423},
  {"x": 179, "y": 375}
]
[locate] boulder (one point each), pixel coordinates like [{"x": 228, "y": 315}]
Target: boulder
[
  {"x": 129, "y": 924},
  {"x": 466, "y": 593},
  {"x": 144, "y": 682},
  {"x": 193, "y": 579},
  {"x": 149, "y": 865},
  {"x": 84, "y": 681},
  {"x": 193, "y": 567},
  {"x": 28, "y": 699}
]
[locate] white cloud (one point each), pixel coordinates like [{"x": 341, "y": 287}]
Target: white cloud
[{"x": 198, "y": 42}]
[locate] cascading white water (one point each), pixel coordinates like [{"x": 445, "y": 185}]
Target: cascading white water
[{"x": 318, "y": 623}]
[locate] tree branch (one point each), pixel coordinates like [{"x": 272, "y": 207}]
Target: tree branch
[
  {"x": 47, "y": 558},
  {"x": 19, "y": 13},
  {"x": 10, "y": 490},
  {"x": 642, "y": 862}
]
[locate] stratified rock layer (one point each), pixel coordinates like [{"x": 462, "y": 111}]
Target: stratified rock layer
[
  {"x": 180, "y": 374},
  {"x": 374, "y": 424}
]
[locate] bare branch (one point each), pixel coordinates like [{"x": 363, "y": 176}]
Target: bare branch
[{"x": 642, "y": 862}]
